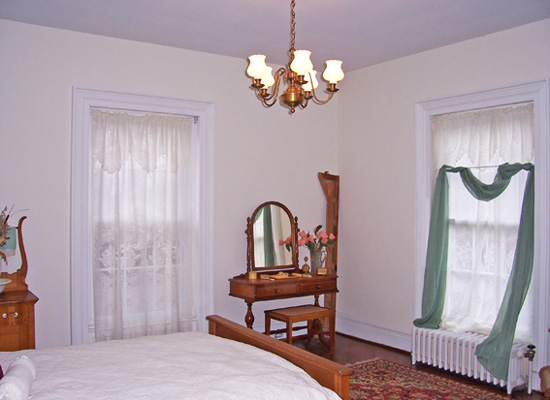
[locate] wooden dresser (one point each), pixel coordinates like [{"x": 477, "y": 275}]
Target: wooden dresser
[
  {"x": 17, "y": 320},
  {"x": 17, "y": 306}
]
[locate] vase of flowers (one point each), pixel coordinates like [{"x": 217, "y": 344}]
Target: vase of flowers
[{"x": 316, "y": 244}]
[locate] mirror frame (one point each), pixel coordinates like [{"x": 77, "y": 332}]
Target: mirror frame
[{"x": 250, "y": 264}]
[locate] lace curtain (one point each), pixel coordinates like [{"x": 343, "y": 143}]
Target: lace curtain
[
  {"x": 142, "y": 223},
  {"x": 485, "y": 137},
  {"x": 483, "y": 235}
]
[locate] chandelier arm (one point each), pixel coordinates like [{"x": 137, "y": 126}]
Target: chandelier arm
[
  {"x": 304, "y": 103},
  {"x": 274, "y": 91},
  {"x": 266, "y": 101},
  {"x": 316, "y": 100}
]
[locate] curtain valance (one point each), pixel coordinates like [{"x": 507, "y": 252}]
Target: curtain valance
[{"x": 119, "y": 135}]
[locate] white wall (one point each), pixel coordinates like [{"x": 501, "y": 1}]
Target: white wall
[
  {"x": 261, "y": 154},
  {"x": 376, "y": 139}
]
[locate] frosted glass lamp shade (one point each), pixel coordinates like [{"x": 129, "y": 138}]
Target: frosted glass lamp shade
[
  {"x": 312, "y": 81},
  {"x": 257, "y": 67},
  {"x": 333, "y": 73},
  {"x": 301, "y": 64},
  {"x": 267, "y": 79}
]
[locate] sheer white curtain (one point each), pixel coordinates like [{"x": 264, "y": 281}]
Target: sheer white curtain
[
  {"x": 143, "y": 248},
  {"x": 482, "y": 235}
]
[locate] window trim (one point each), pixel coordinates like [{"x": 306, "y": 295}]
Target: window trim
[
  {"x": 538, "y": 93},
  {"x": 83, "y": 100}
]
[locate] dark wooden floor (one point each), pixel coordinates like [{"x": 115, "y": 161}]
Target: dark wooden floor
[{"x": 351, "y": 350}]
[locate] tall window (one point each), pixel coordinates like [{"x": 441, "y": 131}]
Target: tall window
[
  {"x": 482, "y": 235},
  {"x": 129, "y": 240},
  {"x": 536, "y": 93},
  {"x": 143, "y": 223}
]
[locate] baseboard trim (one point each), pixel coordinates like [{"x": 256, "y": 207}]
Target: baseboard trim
[{"x": 373, "y": 333}]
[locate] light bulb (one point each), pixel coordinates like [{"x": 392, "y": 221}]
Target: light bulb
[
  {"x": 301, "y": 64},
  {"x": 257, "y": 67},
  {"x": 312, "y": 80},
  {"x": 333, "y": 73},
  {"x": 267, "y": 79}
]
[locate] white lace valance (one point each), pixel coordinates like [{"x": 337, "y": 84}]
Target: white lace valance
[
  {"x": 484, "y": 137},
  {"x": 148, "y": 138}
]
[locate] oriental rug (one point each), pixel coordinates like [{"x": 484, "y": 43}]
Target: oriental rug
[{"x": 380, "y": 379}]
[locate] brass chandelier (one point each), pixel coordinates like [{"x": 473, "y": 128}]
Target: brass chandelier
[{"x": 299, "y": 90}]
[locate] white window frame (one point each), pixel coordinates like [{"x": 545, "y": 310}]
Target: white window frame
[
  {"x": 81, "y": 285},
  {"x": 538, "y": 93}
]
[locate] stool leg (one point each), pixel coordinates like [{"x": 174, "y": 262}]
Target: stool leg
[
  {"x": 268, "y": 325},
  {"x": 332, "y": 329},
  {"x": 289, "y": 332},
  {"x": 309, "y": 332}
]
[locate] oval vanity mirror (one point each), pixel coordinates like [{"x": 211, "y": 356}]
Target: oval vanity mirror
[{"x": 270, "y": 225}]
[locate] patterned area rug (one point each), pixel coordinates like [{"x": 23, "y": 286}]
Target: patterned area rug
[{"x": 380, "y": 379}]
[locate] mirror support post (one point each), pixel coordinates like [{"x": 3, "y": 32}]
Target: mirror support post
[{"x": 331, "y": 189}]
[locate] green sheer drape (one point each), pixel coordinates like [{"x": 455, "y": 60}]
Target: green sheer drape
[
  {"x": 268, "y": 245},
  {"x": 494, "y": 352},
  {"x": 269, "y": 249}
]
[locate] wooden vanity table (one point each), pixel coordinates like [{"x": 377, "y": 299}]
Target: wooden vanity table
[
  {"x": 269, "y": 223},
  {"x": 252, "y": 290}
]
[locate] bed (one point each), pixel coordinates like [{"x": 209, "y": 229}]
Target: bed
[{"x": 186, "y": 365}]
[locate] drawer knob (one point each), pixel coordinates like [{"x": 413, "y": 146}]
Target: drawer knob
[
  {"x": 277, "y": 291},
  {"x": 318, "y": 286},
  {"x": 15, "y": 314}
]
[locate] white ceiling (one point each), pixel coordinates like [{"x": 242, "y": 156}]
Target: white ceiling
[{"x": 359, "y": 32}]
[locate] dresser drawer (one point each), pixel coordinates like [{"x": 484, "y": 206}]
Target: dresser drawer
[
  {"x": 276, "y": 291},
  {"x": 318, "y": 287},
  {"x": 14, "y": 315}
]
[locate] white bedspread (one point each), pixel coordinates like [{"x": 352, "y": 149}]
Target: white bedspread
[{"x": 188, "y": 365}]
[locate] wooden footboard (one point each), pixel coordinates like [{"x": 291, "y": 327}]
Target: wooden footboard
[{"x": 328, "y": 373}]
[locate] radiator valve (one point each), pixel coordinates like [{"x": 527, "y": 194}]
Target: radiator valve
[{"x": 530, "y": 352}]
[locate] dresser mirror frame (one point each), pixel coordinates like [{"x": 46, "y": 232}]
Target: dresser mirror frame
[
  {"x": 254, "y": 237},
  {"x": 18, "y": 277}
]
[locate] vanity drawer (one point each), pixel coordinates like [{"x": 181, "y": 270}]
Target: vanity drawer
[
  {"x": 318, "y": 287},
  {"x": 276, "y": 291}
]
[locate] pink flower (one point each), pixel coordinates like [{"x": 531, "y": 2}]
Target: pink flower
[
  {"x": 313, "y": 241},
  {"x": 281, "y": 242}
]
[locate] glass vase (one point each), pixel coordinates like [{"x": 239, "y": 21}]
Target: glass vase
[{"x": 317, "y": 259}]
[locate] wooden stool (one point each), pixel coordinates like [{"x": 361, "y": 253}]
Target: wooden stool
[{"x": 309, "y": 313}]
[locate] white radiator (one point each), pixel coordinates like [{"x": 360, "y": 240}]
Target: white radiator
[{"x": 455, "y": 352}]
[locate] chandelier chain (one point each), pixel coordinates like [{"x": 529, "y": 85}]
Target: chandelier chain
[{"x": 292, "y": 28}]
